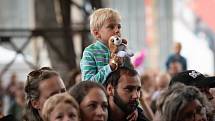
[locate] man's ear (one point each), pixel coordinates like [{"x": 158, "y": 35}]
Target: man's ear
[
  {"x": 35, "y": 104},
  {"x": 110, "y": 90}
]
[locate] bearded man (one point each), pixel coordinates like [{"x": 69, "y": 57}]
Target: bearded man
[{"x": 124, "y": 87}]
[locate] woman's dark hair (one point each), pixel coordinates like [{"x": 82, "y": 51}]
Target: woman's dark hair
[
  {"x": 32, "y": 91},
  {"x": 80, "y": 90}
]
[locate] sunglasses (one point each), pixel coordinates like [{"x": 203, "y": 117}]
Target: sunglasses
[{"x": 37, "y": 73}]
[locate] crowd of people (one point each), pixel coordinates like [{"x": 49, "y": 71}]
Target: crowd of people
[{"x": 105, "y": 90}]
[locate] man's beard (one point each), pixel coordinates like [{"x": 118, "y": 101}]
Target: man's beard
[{"x": 127, "y": 108}]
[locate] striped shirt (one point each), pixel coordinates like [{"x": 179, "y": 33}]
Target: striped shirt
[{"x": 95, "y": 63}]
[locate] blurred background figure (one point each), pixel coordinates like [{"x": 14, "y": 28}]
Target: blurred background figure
[
  {"x": 1, "y": 109},
  {"x": 162, "y": 82},
  {"x": 1, "y": 99},
  {"x": 10, "y": 90},
  {"x": 148, "y": 86},
  {"x": 74, "y": 77},
  {"x": 174, "y": 67},
  {"x": 16, "y": 108},
  {"x": 176, "y": 56}
]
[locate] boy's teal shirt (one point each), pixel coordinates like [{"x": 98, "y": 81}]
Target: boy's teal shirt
[{"x": 95, "y": 63}]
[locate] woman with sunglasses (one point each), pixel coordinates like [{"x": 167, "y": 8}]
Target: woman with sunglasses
[{"x": 40, "y": 85}]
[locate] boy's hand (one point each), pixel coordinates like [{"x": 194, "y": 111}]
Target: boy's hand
[{"x": 115, "y": 62}]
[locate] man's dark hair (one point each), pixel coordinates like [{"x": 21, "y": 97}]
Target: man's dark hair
[{"x": 113, "y": 77}]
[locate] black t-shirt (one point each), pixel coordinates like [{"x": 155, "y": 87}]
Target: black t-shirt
[
  {"x": 8, "y": 118},
  {"x": 141, "y": 116}
]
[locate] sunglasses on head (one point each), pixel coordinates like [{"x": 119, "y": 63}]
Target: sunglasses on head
[{"x": 38, "y": 72}]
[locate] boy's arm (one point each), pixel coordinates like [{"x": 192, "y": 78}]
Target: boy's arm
[{"x": 89, "y": 69}]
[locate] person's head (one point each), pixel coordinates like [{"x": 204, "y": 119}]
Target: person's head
[
  {"x": 123, "y": 87},
  {"x": 20, "y": 94},
  {"x": 92, "y": 99},
  {"x": 74, "y": 77},
  {"x": 194, "y": 78},
  {"x": 162, "y": 81},
  {"x": 175, "y": 67},
  {"x": 104, "y": 23},
  {"x": 12, "y": 84},
  {"x": 61, "y": 107},
  {"x": 40, "y": 85},
  {"x": 147, "y": 82},
  {"x": 182, "y": 103},
  {"x": 177, "y": 47}
]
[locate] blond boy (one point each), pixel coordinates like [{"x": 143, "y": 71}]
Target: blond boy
[{"x": 96, "y": 64}]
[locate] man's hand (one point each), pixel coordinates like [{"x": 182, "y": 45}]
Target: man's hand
[{"x": 133, "y": 116}]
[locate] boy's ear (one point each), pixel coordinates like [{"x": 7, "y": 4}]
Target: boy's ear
[
  {"x": 35, "y": 104},
  {"x": 96, "y": 33},
  {"x": 110, "y": 90}
]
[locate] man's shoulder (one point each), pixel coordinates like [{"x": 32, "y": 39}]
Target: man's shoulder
[
  {"x": 176, "y": 57},
  {"x": 183, "y": 57},
  {"x": 172, "y": 55}
]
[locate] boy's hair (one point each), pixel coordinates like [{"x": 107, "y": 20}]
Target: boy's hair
[
  {"x": 100, "y": 16},
  {"x": 51, "y": 103}
]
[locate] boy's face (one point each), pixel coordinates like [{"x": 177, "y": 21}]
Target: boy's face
[{"x": 110, "y": 28}]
